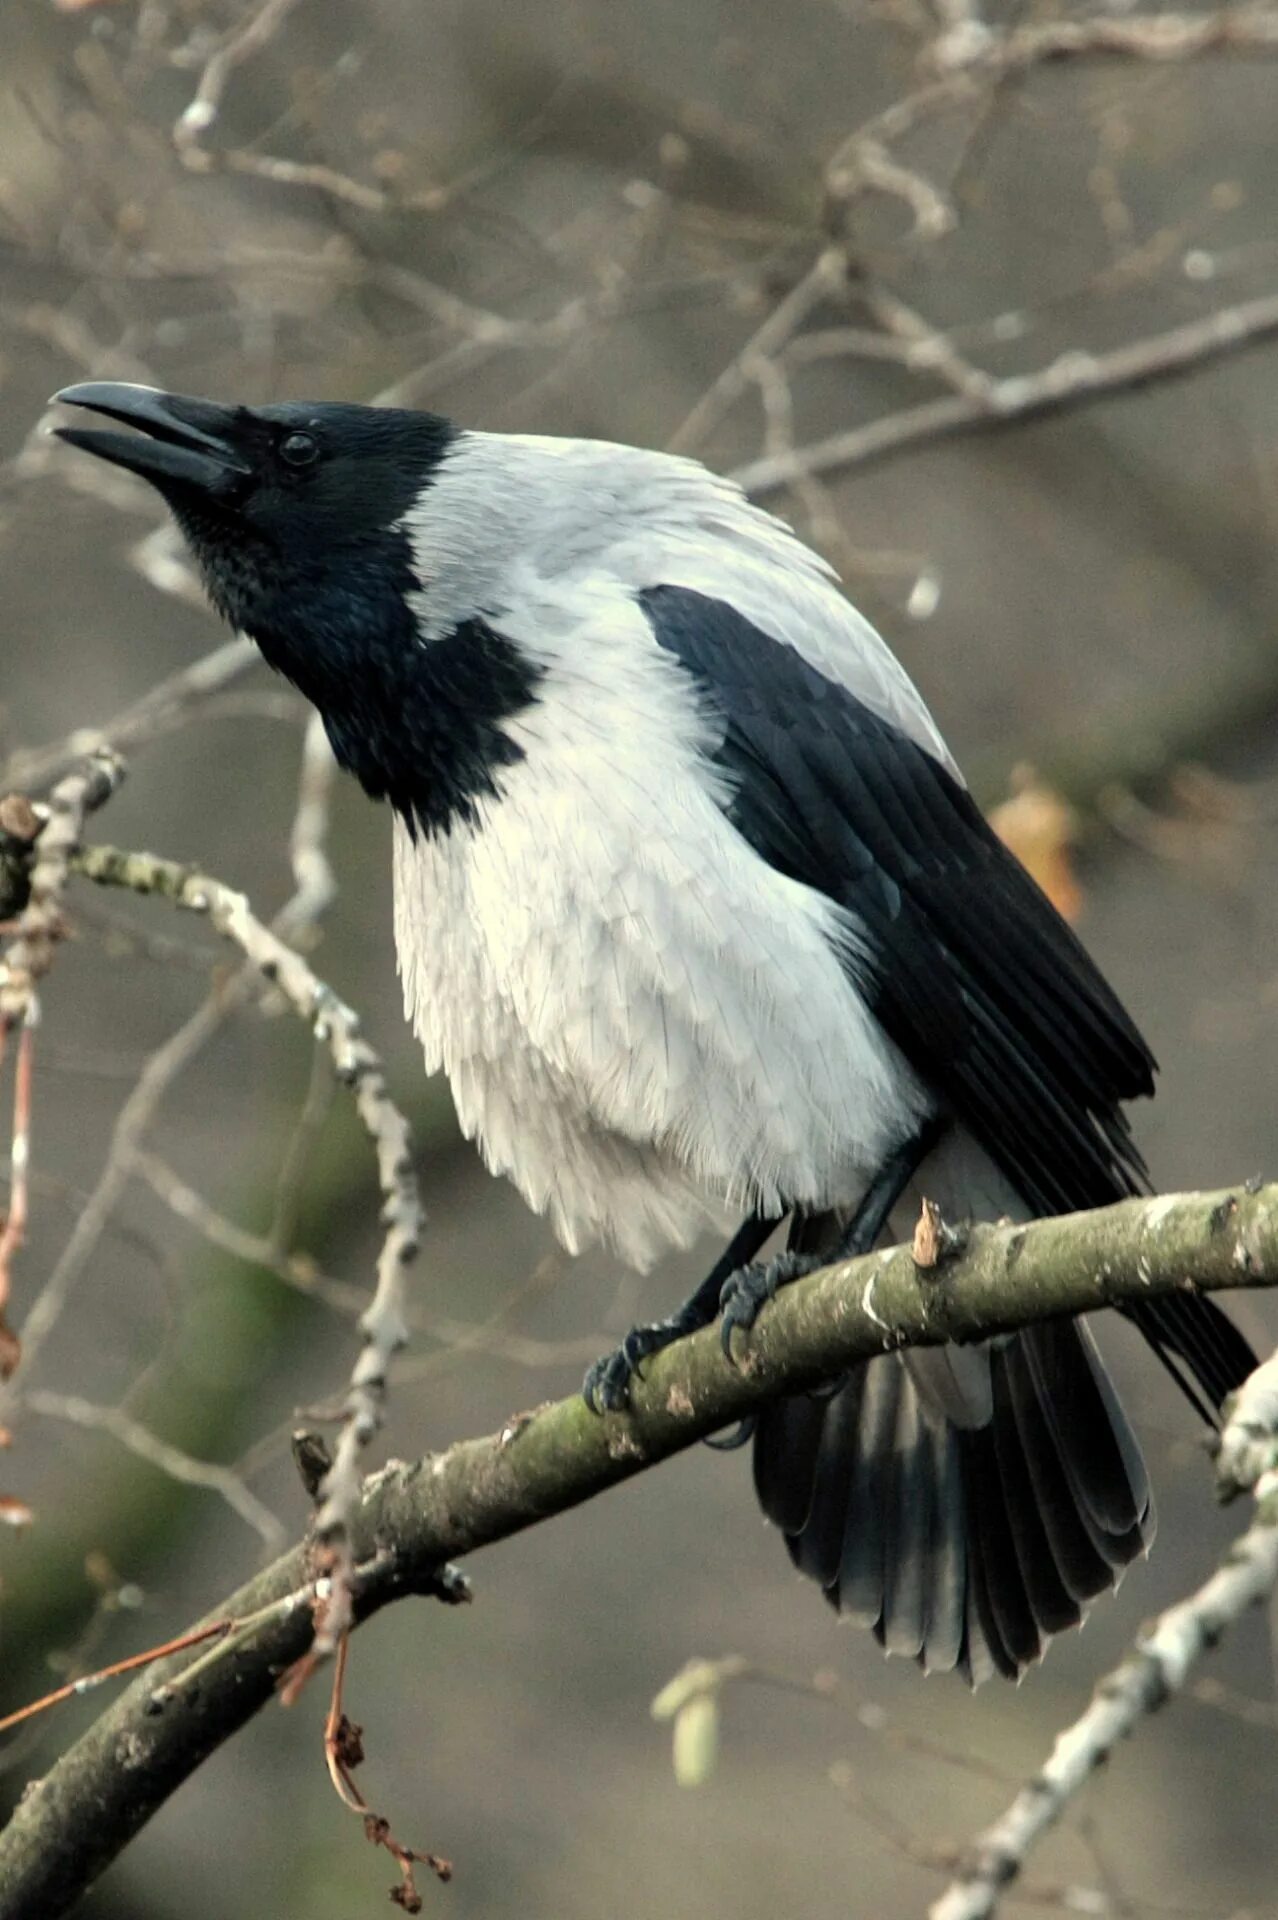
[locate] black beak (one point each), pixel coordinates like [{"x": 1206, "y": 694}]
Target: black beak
[{"x": 190, "y": 443}]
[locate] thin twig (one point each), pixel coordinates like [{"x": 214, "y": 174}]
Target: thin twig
[
  {"x": 86, "y": 1682},
  {"x": 36, "y": 935},
  {"x": 827, "y": 273},
  {"x": 1072, "y": 380},
  {"x": 1149, "y": 36},
  {"x": 926, "y": 350},
  {"x": 382, "y": 1325},
  {"x": 13, "y": 1233},
  {"x": 40, "y": 924},
  {"x": 453, "y": 1339},
  {"x": 343, "y": 1752},
  {"x": 315, "y": 886},
  {"x": 132, "y": 1121},
  {"x": 136, "y": 1117},
  {"x": 290, "y": 1180},
  {"x": 170, "y": 703},
  {"x": 202, "y": 109},
  {"x": 178, "y": 1465}
]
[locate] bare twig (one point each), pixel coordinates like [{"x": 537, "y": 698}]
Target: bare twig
[
  {"x": 315, "y": 886},
  {"x": 382, "y": 1324},
  {"x": 1148, "y": 36},
  {"x": 1072, "y": 380},
  {"x": 1248, "y": 1448},
  {"x": 131, "y": 1124},
  {"x": 40, "y": 924},
  {"x": 139, "y": 1440},
  {"x": 822, "y": 279},
  {"x": 87, "y": 1682},
  {"x": 162, "y": 707},
  {"x": 36, "y": 934},
  {"x": 343, "y": 1752},
  {"x": 926, "y": 350},
  {"x": 202, "y": 109},
  {"x": 453, "y": 1338},
  {"x": 255, "y": 1250},
  {"x": 13, "y": 1233},
  {"x": 967, "y": 49},
  {"x": 135, "y": 1118},
  {"x": 1164, "y": 1657},
  {"x": 290, "y": 1180}
]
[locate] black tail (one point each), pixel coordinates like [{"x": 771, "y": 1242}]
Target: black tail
[{"x": 968, "y": 1503}]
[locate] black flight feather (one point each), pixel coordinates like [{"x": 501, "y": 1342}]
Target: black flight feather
[{"x": 987, "y": 992}]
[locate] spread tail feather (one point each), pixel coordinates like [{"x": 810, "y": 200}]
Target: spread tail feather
[
  {"x": 965, "y": 1535},
  {"x": 967, "y": 1503}
]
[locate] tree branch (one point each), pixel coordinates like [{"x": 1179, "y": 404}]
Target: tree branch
[
  {"x": 383, "y": 1325},
  {"x": 1070, "y": 381},
  {"x": 414, "y": 1518},
  {"x": 167, "y": 704}
]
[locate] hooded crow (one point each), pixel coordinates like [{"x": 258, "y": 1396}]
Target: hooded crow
[{"x": 694, "y": 909}]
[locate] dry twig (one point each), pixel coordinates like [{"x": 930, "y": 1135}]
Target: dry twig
[
  {"x": 1074, "y": 379},
  {"x": 74, "y": 1410},
  {"x": 343, "y": 1752},
  {"x": 36, "y": 934},
  {"x": 40, "y": 925},
  {"x": 382, "y": 1325},
  {"x": 179, "y": 698}
]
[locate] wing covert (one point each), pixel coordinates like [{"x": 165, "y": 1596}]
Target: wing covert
[{"x": 970, "y": 969}]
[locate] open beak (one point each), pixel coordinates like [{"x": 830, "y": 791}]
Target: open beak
[{"x": 188, "y": 443}]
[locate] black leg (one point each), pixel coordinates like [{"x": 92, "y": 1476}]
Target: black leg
[
  {"x": 744, "y": 1293},
  {"x": 889, "y": 1183},
  {"x": 606, "y": 1387}
]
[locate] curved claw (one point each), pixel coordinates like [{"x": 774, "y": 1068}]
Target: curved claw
[
  {"x": 750, "y": 1289},
  {"x": 742, "y": 1297},
  {"x": 732, "y": 1442},
  {"x": 606, "y": 1387}
]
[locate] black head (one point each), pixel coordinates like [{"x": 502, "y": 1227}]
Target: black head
[
  {"x": 294, "y": 516},
  {"x": 271, "y": 499}
]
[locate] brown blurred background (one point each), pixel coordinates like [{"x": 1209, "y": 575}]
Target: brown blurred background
[{"x": 572, "y": 218}]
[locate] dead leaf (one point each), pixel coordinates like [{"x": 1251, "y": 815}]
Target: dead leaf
[
  {"x": 19, "y": 819},
  {"x": 1041, "y": 828},
  {"x": 927, "y": 1235}
]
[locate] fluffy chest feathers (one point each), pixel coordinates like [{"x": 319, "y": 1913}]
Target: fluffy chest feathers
[{"x": 643, "y": 1025}]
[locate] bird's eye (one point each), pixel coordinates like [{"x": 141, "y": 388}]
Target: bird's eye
[{"x": 299, "y": 450}]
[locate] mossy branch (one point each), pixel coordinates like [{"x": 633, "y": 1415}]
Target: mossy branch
[{"x": 414, "y": 1518}]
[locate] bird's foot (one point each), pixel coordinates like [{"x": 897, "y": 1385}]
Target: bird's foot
[
  {"x": 606, "y": 1387},
  {"x": 752, "y": 1287}
]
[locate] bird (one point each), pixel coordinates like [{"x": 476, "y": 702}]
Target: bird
[{"x": 695, "y": 910}]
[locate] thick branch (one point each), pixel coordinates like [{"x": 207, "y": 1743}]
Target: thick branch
[{"x": 414, "y": 1518}]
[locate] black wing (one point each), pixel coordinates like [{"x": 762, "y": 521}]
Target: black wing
[{"x": 970, "y": 969}]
